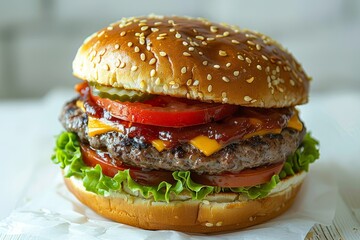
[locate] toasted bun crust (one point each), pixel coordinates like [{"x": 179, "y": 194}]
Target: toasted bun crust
[
  {"x": 193, "y": 58},
  {"x": 222, "y": 212}
]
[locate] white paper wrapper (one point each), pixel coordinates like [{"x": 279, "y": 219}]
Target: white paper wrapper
[{"x": 56, "y": 214}]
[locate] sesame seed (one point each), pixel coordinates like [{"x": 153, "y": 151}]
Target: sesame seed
[
  {"x": 117, "y": 46},
  {"x": 254, "y": 100},
  {"x": 152, "y": 61},
  {"x": 210, "y": 39},
  {"x": 163, "y": 54},
  {"x": 235, "y": 41},
  {"x": 134, "y": 68},
  {"x": 110, "y": 28},
  {"x": 222, "y": 53},
  {"x": 209, "y": 88},
  {"x": 258, "y": 47},
  {"x": 264, "y": 57},
  {"x": 216, "y": 66},
  {"x": 209, "y": 224},
  {"x": 196, "y": 82},
  {"x": 185, "y": 43},
  {"x": 267, "y": 69},
  {"x": 172, "y": 29},
  {"x": 226, "y": 34},
  {"x": 200, "y": 37},
  {"x": 163, "y": 34},
  {"x": 251, "y": 219},
  {"x": 219, "y": 35},
  {"x": 292, "y": 82},
  {"x": 250, "y": 43},
  {"x": 236, "y": 73},
  {"x": 205, "y": 63},
  {"x": 223, "y": 94},
  {"x": 240, "y": 57},
  {"x": 250, "y": 80},
  {"x": 142, "y": 57},
  {"x": 130, "y": 44},
  {"x": 225, "y": 99},
  {"x": 228, "y": 64},
  {"x": 160, "y": 38},
  {"x": 209, "y": 77},
  {"x": 183, "y": 70},
  {"x": 178, "y": 35},
  {"x": 144, "y": 28},
  {"x": 259, "y": 67},
  {"x": 122, "y": 64},
  {"x": 106, "y": 67},
  {"x": 152, "y": 73},
  {"x": 165, "y": 87},
  {"x": 157, "y": 23},
  {"x": 123, "y": 33},
  {"x": 117, "y": 63},
  {"x": 102, "y": 52},
  {"x": 142, "y": 84},
  {"x": 100, "y": 34},
  {"x": 186, "y": 54},
  {"x": 154, "y": 29},
  {"x": 142, "y": 41},
  {"x": 157, "y": 81},
  {"x": 213, "y": 29},
  {"x": 225, "y": 79},
  {"x": 175, "y": 86},
  {"x": 201, "y": 53},
  {"x": 188, "y": 82},
  {"x": 247, "y": 98},
  {"x": 137, "y": 49},
  {"x": 218, "y": 224},
  {"x": 204, "y": 43},
  {"x": 248, "y": 60},
  {"x": 277, "y": 69},
  {"x": 191, "y": 49}
]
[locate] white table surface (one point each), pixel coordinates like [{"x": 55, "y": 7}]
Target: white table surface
[{"x": 28, "y": 131}]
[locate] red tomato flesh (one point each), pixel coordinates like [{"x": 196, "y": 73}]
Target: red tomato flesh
[
  {"x": 166, "y": 111},
  {"x": 245, "y": 178}
]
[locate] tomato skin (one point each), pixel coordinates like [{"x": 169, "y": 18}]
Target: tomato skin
[
  {"x": 245, "y": 178},
  {"x": 166, "y": 111},
  {"x": 143, "y": 177}
]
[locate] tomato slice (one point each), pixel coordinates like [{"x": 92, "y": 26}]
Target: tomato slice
[
  {"x": 166, "y": 111},
  {"x": 150, "y": 178},
  {"x": 245, "y": 178}
]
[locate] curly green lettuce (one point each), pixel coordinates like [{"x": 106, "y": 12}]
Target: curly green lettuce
[{"x": 68, "y": 156}]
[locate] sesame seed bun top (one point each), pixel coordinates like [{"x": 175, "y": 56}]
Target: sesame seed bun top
[{"x": 193, "y": 58}]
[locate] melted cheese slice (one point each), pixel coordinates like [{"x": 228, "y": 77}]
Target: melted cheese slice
[
  {"x": 206, "y": 145},
  {"x": 96, "y": 127}
]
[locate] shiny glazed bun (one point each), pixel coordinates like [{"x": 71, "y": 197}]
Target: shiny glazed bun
[
  {"x": 193, "y": 58},
  {"x": 220, "y": 212}
]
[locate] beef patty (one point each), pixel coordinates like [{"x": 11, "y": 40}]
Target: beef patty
[{"x": 249, "y": 153}]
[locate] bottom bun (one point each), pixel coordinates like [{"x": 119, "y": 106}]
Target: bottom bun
[{"x": 219, "y": 212}]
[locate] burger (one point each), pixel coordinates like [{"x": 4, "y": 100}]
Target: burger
[{"x": 184, "y": 124}]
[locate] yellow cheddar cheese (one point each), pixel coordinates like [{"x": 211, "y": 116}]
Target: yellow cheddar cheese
[
  {"x": 95, "y": 127},
  {"x": 158, "y": 144},
  {"x": 80, "y": 104},
  {"x": 206, "y": 145},
  {"x": 295, "y": 123}
]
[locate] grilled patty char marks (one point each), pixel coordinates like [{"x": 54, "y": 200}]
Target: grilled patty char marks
[{"x": 253, "y": 152}]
